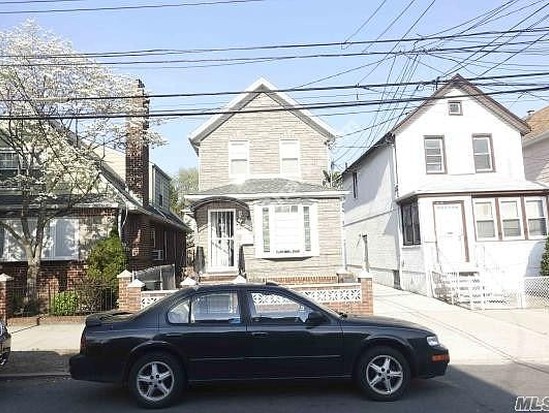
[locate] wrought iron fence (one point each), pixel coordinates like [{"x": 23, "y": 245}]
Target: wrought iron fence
[{"x": 82, "y": 299}]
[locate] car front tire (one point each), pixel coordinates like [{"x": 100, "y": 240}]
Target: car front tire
[
  {"x": 156, "y": 380},
  {"x": 383, "y": 374}
]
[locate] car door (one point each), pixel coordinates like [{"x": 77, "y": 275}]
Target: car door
[
  {"x": 281, "y": 342},
  {"x": 209, "y": 331}
]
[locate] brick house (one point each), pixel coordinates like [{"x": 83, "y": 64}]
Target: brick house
[
  {"x": 261, "y": 209},
  {"x": 136, "y": 202}
]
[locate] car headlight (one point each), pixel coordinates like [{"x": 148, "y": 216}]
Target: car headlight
[{"x": 433, "y": 341}]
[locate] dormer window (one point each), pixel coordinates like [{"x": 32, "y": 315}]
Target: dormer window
[{"x": 454, "y": 107}]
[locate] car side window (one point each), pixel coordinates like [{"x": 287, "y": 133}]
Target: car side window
[
  {"x": 180, "y": 313},
  {"x": 215, "y": 308},
  {"x": 273, "y": 308}
]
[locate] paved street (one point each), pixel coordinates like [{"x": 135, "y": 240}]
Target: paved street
[{"x": 496, "y": 355}]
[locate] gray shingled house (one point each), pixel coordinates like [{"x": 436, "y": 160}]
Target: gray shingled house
[{"x": 261, "y": 209}]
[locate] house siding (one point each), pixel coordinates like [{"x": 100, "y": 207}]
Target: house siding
[
  {"x": 457, "y": 132},
  {"x": 536, "y": 161},
  {"x": 263, "y": 131},
  {"x": 373, "y": 213}
]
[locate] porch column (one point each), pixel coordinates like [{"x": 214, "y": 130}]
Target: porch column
[{"x": 366, "y": 286}]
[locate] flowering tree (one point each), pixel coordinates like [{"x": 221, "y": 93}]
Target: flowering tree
[{"x": 53, "y": 122}]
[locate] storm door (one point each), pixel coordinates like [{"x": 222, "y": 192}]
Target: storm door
[{"x": 222, "y": 248}]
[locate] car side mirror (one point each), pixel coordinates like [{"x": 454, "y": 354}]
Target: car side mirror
[{"x": 315, "y": 318}]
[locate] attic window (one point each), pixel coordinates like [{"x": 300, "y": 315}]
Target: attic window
[{"x": 454, "y": 107}]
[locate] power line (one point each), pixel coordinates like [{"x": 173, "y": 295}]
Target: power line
[
  {"x": 206, "y": 112},
  {"x": 160, "y": 51},
  {"x": 144, "y": 6},
  {"x": 477, "y": 80},
  {"x": 259, "y": 59}
]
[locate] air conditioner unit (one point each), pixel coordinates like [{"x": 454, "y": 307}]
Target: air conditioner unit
[{"x": 158, "y": 255}]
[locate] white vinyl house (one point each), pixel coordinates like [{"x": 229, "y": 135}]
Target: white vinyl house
[{"x": 444, "y": 193}]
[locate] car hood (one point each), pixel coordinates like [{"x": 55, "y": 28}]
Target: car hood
[{"x": 378, "y": 321}]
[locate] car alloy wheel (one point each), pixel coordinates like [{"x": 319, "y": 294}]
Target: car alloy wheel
[
  {"x": 156, "y": 380},
  {"x": 383, "y": 373}
]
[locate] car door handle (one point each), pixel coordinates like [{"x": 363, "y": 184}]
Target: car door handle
[{"x": 260, "y": 334}]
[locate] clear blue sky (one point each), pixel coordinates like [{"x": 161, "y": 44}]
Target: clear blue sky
[{"x": 296, "y": 21}]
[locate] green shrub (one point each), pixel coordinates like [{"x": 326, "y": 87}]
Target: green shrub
[
  {"x": 64, "y": 303},
  {"x": 544, "y": 265},
  {"x": 106, "y": 260}
]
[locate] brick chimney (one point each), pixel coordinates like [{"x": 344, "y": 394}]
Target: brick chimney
[{"x": 137, "y": 149}]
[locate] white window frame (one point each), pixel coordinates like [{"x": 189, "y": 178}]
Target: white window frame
[
  {"x": 490, "y": 153},
  {"x": 49, "y": 244},
  {"x": 544, "y": 216},
  {"x": 492, "y": 202},
  {"x": 272, "y": 253},
  {"x": 455, "y": 104},
  {"x": 440, "y": 139},
  {"x": 232, "y": 157},
  {"x": 519, "y": 217},
  {"x": 297, "y": 157}
]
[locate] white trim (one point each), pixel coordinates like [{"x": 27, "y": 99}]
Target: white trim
[
  {"x": 246, "y": 143},
  {"x": 519, "y": 217},
  {"x": 313, "y": 230},
  {"x": 235, "y": 249},
  {"x": 298, "y": 156},
  {"x": 196, "y": 135},
  {"x": 544, "y": 216},
  {"x": 492, "y": 203}
]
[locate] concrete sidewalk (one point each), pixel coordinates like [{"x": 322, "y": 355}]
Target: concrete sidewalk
[{"x": 473, "y": 337}]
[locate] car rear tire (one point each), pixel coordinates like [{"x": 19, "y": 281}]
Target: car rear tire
[
  {"x": 156, "y": 380},
  {"x": 383, "y": 373}
]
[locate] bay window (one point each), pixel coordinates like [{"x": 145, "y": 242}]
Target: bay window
[{"x": 286, "y": 230}]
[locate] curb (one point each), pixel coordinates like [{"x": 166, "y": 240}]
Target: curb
[{"x": 23, "y": 376}]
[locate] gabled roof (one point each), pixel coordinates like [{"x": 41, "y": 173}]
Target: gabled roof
[
  {"x": 239, "y": 102},
  {"x": 539, "y": 125},
  {"x": 459, "y": 82},
  {"x": 468, "y": 89}
]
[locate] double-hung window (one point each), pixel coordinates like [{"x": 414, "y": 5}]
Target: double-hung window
[
  {"x": 536, "y": 217},
  {"x": 60, "y": 240},
  {"x": 289, "y": 157},
  {"x": 434, "y": 155},
  {"x": 238, "y": 159},
  {"x": 410, "y": 224},
  {"x": 482, "y": 153},
  {"x": 485, "y": 219},
  {"x": 287, "y": 230},
  {"x": 9, "y": 165},
  {"x": 511, "y": 217}
]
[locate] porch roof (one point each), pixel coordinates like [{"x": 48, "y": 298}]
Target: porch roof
[
  {"x": 263, "y": 188},
  {"x": 457, "y": 185}
]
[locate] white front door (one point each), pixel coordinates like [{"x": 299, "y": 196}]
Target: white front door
[
  {"x": 222, "y": 250},
  {"x": 450, "y": 233}
]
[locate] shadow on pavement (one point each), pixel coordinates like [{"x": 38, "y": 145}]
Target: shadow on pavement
[{"x": 36, "y": 362}]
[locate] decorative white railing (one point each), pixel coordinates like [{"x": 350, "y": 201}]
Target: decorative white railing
[{"x": 321, "y": 293}]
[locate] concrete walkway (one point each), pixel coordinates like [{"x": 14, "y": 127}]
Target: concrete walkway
[
  {"x": 481, "y": 336},
  {"x": 473, "y": 337}
]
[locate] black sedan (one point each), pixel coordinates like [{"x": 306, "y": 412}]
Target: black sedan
[
  {"x": 251, "y": 332},
  {"x": 5, "y": 344}
]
